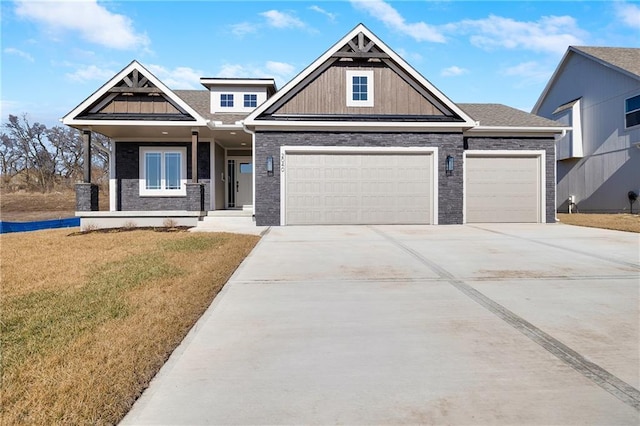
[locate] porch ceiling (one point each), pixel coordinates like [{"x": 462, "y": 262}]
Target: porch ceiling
[{"x": 228, "y": 138}]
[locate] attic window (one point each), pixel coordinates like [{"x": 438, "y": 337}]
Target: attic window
[
  {"x": 632, "y": 111},
  {"x": 226, "y": 100},
  {"x": 250, "y": 100},
  {"x": 359, "y": 88}
]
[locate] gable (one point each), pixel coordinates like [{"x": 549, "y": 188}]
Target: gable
[
  {"x": 134, "y": 94},
  {"x": 321, "y": 92},
  {"x": 134, "y": 98}
]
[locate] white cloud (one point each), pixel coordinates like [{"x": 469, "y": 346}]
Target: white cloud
[
  {"x": 280, "y": 68},
  {"x": 18, "y": 52},
  {"x": 409, "y": 56},
  {"x": 628, "y": 14},
  {"x": 92, "y": 21},
  {"x": 279, "y": 19},
  {"x": 331, "y": 16},
  {"x": 178, "y": 78},
  {"x": 550, "y": 34},
  {"x": 244, "y": 28},
  {"x": 280, "y": 71},
  {"x": 89, "y": 73},
  {"x": 453, "y": 71},
  {"x": 392, "y": 19},
  {"x": 529, "y": 73}
]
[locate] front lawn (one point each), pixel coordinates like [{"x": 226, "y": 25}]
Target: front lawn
[{"x": 88, "y": 319}]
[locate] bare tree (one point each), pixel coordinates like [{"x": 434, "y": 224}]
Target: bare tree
[
  {"x": 31, "y": 142},
  {"x": 48, "y": 157}
]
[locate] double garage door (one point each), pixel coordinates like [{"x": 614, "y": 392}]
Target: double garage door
[
  {"x": 358, "y": 188},
  {"x": 398, "y": 188}
]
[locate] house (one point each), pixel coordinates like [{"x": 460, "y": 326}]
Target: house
[
  {"x": 358, "y": 137},
  {"x": 596, "y": 91}
]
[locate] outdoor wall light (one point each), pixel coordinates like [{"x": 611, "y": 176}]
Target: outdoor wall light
[
  {"x": 270, "y": 166},
  {"x": 448, "y": 165}
]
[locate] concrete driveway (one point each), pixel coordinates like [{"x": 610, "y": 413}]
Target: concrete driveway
[{"x": 487, "y": 324}]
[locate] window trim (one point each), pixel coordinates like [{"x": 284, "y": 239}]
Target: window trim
[
  {"x": 230, "y": 100},
  {"x": 163, "y": 192},
  {"x": 252, "y": 101},
  {"x": 350, "y": 73},
  {"x": 630, "y": 112}
]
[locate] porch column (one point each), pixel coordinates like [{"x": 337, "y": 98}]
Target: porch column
[
  {"x": 194, "y": 156},
  {"x": 86, "y": 192},
  {"x": 86, "y": 155}
]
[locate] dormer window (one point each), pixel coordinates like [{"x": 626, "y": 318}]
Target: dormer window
[
  {"x": 250, "y": 100},
  {"x": 226, "y": 100},
  {"x": 359, "y": 88}
]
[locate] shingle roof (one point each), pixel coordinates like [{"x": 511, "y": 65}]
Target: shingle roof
[
  {"x": 498, "y": 115},
  {"x": 200, "y": 101},
  {"x": 625, "y": 58}
]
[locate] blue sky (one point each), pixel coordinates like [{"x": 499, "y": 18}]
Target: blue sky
[{"x": 55, "y": 54}]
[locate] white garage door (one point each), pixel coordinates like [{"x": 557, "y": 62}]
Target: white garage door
[
  {"x": 502, "y": 189},
  {"x": 358, "y": 188}
]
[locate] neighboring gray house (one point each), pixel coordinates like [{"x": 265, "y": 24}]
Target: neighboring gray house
[
  {"x": 358, "y": 137},
  {"x": 596, "y": 90}
]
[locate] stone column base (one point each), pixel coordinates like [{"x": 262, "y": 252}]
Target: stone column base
[
  {"x": 86, "y": 197},
  {"x": 195, "y": 197}
]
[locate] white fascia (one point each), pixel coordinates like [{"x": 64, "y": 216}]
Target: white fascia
[
  {"x": 515, "y": 131},
  {"x": 358, "y": 126},
  {"x": 136, "y": 123}
]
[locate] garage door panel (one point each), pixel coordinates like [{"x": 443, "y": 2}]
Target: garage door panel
[
  {"x": 358, "y": 188},
  {"x": 502, "y": 189}
]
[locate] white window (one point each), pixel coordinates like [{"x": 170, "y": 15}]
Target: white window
[
  {"x": 360, "y": 88},
  {"x": 163, "y": 171},
  {"x": 632, "y": 111}
]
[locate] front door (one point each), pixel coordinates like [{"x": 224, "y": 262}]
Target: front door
[{"x": 239, "y": 182}]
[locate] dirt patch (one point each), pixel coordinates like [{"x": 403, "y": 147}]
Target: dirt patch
[
  {"x": 620, "y": 222},
  {"x": 31, "y": 206}
]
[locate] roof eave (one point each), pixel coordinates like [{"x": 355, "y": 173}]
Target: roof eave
[{"x": 516, "y": 130}]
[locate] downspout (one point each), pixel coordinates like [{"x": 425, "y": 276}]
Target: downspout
[{"x": 253, "y": 160}]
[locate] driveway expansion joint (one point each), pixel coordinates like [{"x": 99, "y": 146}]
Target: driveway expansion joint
[{"x": 598, "y": 375}]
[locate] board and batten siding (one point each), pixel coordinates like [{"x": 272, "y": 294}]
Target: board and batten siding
[
  {"x": 610, "y": 167},
  {"x": 139, "y": 104},
  {"x": 326, "y": 95}
]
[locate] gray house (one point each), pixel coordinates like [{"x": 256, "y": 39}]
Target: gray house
[
  {"x": 358, "y": 137},
  {"x": 596, "y": 90}
]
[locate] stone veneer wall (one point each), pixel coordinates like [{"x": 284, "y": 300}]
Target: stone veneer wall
[
  {"x": 529, "y": 143},
  {"x": 267, "y": 208},
  {"x": 86, "y": 197},
  {"x": 128, "y": 175}
]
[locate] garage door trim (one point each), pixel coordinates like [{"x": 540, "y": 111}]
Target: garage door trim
[
  {"x": 288, "y": 149},
  {"x": 539, "y": 154}
]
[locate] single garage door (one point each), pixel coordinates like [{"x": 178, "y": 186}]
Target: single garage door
[
  {"x": 358, "y": 188},
  {"x": 502, "y": 189}
]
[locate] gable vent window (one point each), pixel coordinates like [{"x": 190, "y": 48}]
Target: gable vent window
[
  {"x": 250, "y": 101},
  {"x": 632, "y": 111},
  {"x": 226, "y": 100},
  {"x": 360, "y": 88}
]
